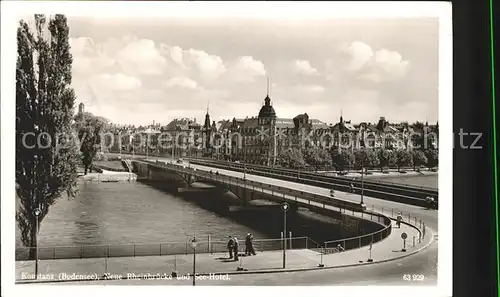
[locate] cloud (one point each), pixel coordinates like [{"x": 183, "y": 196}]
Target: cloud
[
  {"x": 181, "y": 82},
  {"x": 143, "y": 57},
  {"x": 87, "y": 58},
  {"x": 310, "y": 88},
  {"x": 245, "y": 69},
  {"x": 303, "y": 67},
  {"x": 206, "y": 65},
  {"x": 359, "y": 61},
  {"x": 115, "y": 82},
  {"x": 359, "y": 54}
]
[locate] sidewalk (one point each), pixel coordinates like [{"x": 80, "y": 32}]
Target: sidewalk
[{"x": 265, "y": 262}]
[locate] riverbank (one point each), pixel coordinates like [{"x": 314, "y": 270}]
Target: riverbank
[{"x": 108, "y": 176}]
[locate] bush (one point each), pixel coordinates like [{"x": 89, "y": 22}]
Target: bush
[
  {"x": 114, "y": 158},
  {"x": 100, "y": 157}
]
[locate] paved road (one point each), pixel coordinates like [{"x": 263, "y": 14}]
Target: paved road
[{"x": 385, "y": 274}]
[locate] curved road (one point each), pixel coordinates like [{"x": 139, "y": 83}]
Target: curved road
[{"x": 391, "y": 273}]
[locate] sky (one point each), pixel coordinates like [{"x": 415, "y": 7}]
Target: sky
[{"x": 136, "y": 71}]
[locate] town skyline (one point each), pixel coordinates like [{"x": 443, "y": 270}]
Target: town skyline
[{"x": 134, "y": 72}]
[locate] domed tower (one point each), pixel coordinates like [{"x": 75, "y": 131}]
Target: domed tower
[{"x": 267, "y": 124}]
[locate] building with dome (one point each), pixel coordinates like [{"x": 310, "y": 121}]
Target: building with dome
[{"x": 259, "y": 140}]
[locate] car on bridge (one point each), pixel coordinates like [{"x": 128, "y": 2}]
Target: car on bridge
[{"x": 180, "y": 161}]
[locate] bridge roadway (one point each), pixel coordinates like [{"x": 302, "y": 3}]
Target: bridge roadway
[
  {"x": 389, "y": 191},
  {"x": 390, "y": 273}
]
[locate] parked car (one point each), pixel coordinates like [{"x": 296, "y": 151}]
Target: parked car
[{"x": 180, "y": 161}]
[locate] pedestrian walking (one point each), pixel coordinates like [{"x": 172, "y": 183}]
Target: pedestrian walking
[
  {"x": 399, "y": 219},
  {"x": 249, "y": 248},
  {"x": 230, "y": 246},
  {"x": 235, "y": 248}
]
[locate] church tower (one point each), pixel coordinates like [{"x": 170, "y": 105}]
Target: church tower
[
  {"x": 207, "y": 130},
  {"x": 81, "y": 108}
]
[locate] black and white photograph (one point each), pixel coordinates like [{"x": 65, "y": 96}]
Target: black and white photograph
[{"x": 227, "y": 144}]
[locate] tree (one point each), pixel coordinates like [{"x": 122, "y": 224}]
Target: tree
[
  {"x": 403, "y": 158},
  {"x": 419, "y": 158},
  {"x": 89, "y": 129},
  {"x": 387, "y": 158},
  {"x": 342, "y": 159},
  {"x": 46, "y": 153},
  {"x": 432, "y": 158},
  {"x": 317, "y": 157},
  {"x": 291, "y": 158},
  {"x": 366, "y": 158}
]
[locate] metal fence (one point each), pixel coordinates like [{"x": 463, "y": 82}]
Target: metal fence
[{"x": 157, "y": 249}]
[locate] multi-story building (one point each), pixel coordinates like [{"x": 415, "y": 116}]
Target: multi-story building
[
  {"x": 181, "y": 138},
  {"x": 260, "y": 139}
]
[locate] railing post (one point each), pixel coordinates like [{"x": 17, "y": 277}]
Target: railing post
[
  {"x": 81, "y": 252},
  {"x": 134, "y": 249},
  {"x": 290, "y": 236},
  {"x": 54, "y": 253},
  {"x": 160, "y": 249},
  {"x": 209, "y": 244},
  {"x": 360, "y": 242},
  {"x": 307, "y": 240}
]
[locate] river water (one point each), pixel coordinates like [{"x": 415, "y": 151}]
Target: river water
[{"x": 126, "y": 213}]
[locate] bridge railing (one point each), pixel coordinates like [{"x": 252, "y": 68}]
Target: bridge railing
[
  {"x": 413, "y": 197},
  {"x": 305, "y": 173},
  {"x": 375, "y": 214},
  {"x": 367, "y": 239},
  {"x": 345, "y": 208},
  {"x": 284, "y": 193}
]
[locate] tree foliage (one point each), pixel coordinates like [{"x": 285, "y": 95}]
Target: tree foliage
[
  {"x": 342, "y": 159},
  {"x": 403, "y": 158},
  {"x": 317, "y": 157},
  {"x": 432, "y": 158},
  {"x": 387, "y": 158},
  {"x": 90, "y": 129},
  {"x": 366, "y": 158},
  {"x": 419, "y": 158},
  {"x": 291, "y": 158},
  {"x": 45, "y": 148}
]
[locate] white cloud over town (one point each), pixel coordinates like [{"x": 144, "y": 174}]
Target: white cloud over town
[{"x": 159, "y": 75}]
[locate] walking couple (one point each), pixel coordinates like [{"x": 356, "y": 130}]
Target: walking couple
[{"x": 233, "y": 247}]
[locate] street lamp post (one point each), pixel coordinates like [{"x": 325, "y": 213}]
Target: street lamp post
[
  {"x": 362, "y": 187},
  {"x": 193, "y": 245},
  {"x": 37, "y": 214},
  {"x": 285, "y": 206},
  {"x": 245, "y": 160},
  {"x": 189, "y": 150}
]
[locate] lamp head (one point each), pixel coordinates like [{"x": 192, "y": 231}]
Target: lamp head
[
  {"x": 194, "y": 243},
  {"x": 37, "y": 212}
]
